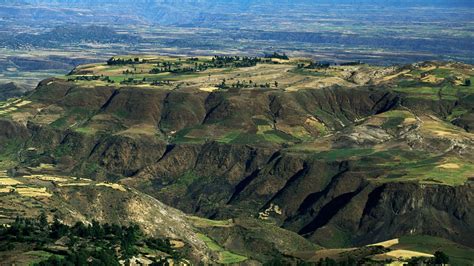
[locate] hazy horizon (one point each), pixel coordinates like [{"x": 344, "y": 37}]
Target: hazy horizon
[{"x": 372, "y": 31}]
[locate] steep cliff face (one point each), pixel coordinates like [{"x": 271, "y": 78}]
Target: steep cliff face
[
  {"x": 418, "y": 209},
  {"x": 356, "y": 213},
  {"x": 332, "y": 203},
  {"x": 10, "y": 130}
]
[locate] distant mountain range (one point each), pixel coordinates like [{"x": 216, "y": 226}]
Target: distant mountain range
[
  {"x": 242, "y": 2},
  {"x": 65, "y": 35},
  {"x": 166, "y": 12}
]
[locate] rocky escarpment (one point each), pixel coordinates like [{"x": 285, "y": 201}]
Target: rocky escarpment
[
  {"x": 10, "y": 130},
  {"x": 332, "y": 203}
]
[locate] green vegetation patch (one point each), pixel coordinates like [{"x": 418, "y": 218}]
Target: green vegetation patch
[
  {"x": 203, "y": 222},
  {"x": 63, "y": 150},
  {"x": 39, "y": 255},
  {"x": 187, "y": 179},
  {"x": 229, "y": 137},
  {"x": 449, "y": 176},
  {"x": 397, "y": 114},
  {"x": 441, "y": 72},
  {"x": 458, "y": 254},
  {"x": 457, "y": 112},
  {"x": 428, "y": 91},
  {"x": 404, "y": 166},
  {"x": 407, "y": 83},
  {"x": 420, "y": 92},
  {"x": 277, "y": 136},
  {"x": 431, "y": 170},
  {"x": 401, "y": 165},
  {"x": 393, "y": 122},
  {"x": 260, "y": 121},
  {"x": 342, "y": 154},
  {"x": 9, "y": 153},
  {"x": 211, "y": 244},
  {"x": 248, "y": 138},
  {"x": 329, "y": 118},
  {"x": 338, "y": 239},
  {"x": 225, "y": 257},
  {"x": 183, "y": 136},
  {"x": 90, "y": 169},
  {"x": 271, "y": 136},
  {"x": 86, "y": 130},
  {"x": 394, "y": 118},
  {"x": 72, "y": 115}
]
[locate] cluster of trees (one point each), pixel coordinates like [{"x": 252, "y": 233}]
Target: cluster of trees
[
  {"x": 277, "y": 56},
  {"x": 234, "y": 61},
  {"x": 184, "y": 70},
  {"x": 132, "y": 81},
  {"x": 92, "y": 78},
  {"x": 93, "y": 244},
  {"x": 353, "y": 63},
  {"x": 86, "y": 78},
  {"x": 120, "y": 61},
  {"x": 216, "y": 62},
  {"x": 244, "y": 84},
  {"x": 452, "y": 80},
  {"x": 315, "y": 65},
  {"x": 127, "y": 81},
  {"x": 162, "y": 67},
  {"x": 24, "y": 230},
  {"x": 128, "y": 72},
  {"x": 160, "y": 82},
  {"x": 330, "y": 262},
  {"x": 102, "y": 257},
  {"x": 177, "y": 68},
  {"x": 440, "y": 258},
  {"x": 325, "y": 64}
]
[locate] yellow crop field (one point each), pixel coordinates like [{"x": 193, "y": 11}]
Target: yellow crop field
[
  {"x": 387, "y": 244},
  {"x": 114, "y": 186},
  {"x": 9, "y": 182},
  {"x": 406, "y": 254},
  {"x": 78, "y": 184},
  {"x": 7, "y": 189},
  {"x": 48, "y": 178},
  {"x": 33, "y": 192}
]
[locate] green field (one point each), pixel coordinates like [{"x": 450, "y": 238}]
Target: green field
[
  {"x": 458, "y": 254},
  {"x": 225, "y": 257}
]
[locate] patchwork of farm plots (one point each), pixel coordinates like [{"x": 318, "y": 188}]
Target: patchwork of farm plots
[{"x": 41, "y": 186}]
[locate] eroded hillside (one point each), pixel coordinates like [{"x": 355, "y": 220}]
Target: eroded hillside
[{"x": 341, "y": 155}]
